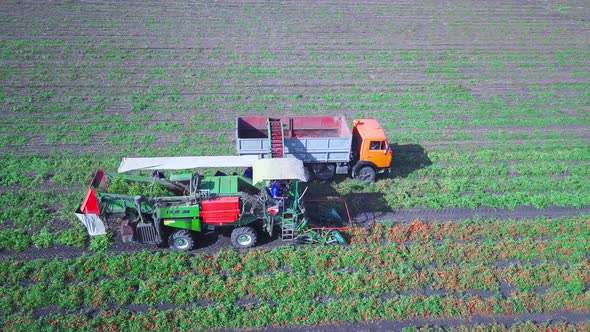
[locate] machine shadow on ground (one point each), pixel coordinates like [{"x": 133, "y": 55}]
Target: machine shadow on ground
[{"x": 366, "y": 207}]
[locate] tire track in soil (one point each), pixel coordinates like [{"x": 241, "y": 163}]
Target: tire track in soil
[
  {"x": 461, "y": 214},
  {"x": 552, "y": 318}
]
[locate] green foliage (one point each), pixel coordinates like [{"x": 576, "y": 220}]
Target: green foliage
[
  {"x": 75, "y": 236},
  {"x": 42, "y": 239},
  {"x": 388, "y": 280},
  {"x": 100, "y": 243},
  {"x": 76, "y": 105},
  {"x": 123, "y": 187},
  {"x": 17, "y": 240}
]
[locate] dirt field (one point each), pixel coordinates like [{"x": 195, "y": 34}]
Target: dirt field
[{"x": 489, "y": 104}]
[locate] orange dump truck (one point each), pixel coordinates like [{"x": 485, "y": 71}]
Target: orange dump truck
[{"x": 325, "y": 144}]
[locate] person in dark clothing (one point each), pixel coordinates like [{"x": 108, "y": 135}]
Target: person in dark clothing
[
  {"x": 275, "y": 189},
  {"x": 248, "y": 172}
]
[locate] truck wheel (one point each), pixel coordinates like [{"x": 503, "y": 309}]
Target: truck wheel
[
  {"x": 243, "y": 237},
  {"x": 181, "y": 240},
  {"x": 366, "y": 174},
  {"x": 324, "y": 171}
]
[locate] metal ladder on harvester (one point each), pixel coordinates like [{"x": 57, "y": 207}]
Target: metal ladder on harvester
[
  {"x": 287, "y": 229},
  {"x": 276, "y": 140}
]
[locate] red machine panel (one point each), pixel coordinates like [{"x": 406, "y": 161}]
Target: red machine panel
[
  {"x": 222, "y": 210},
  {"x": 90, "y": 203}
]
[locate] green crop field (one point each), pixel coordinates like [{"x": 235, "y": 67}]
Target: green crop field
[
  {"x": 488, "y": 104},
  {"x": 390, "y": 272}
]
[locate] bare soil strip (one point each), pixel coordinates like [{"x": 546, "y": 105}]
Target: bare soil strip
[
  {"x": 455, "y": 214},
  {"x": 506, "y": 320}
]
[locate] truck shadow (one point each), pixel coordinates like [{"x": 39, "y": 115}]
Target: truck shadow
[
  {"x": 366, "y": 208},
  {"x": 408, "y": 158}
]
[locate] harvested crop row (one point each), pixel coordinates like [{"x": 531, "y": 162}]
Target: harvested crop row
[
  {"x": 308, "y": 273},
  {"x": 491, "y": 230},
  {"x": 286, "y": 287},
  {"x": 417, "y": 243},
  {"x": 308, "y": 312}
]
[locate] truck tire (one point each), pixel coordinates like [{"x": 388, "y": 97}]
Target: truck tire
[
  {"x": 323, "y": 171},
  {"x": 181, "y": 240},
  {"x": 366, "y": 174},
  {"x": 243, "y": 237}
]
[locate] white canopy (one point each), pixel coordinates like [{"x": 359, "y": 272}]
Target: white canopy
[
  {"x": 170, "y": 163},
  {"x": 278, "y": 169}
]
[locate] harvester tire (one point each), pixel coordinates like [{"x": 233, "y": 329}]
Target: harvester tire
[
  {"x": 243, "y": 237},
  {"x": 181, "y": 240}
]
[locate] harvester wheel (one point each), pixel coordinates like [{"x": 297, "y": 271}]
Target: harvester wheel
[
  {"x": 366, "y": 174},
  {"x": 181, "y": 240},
  {"x": 243, "y": 237}
]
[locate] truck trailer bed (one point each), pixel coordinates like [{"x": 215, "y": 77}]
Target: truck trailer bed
[{"x": 312, "y": 139}]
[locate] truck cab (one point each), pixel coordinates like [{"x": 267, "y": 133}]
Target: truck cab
[{"x": 372, "y": 150}]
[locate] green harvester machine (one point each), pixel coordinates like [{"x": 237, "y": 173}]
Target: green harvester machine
[{"x": 189, "y": 203}]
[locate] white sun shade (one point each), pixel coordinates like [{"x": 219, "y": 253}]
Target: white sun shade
[
  {"x": 278, "y": 169},
  {"x": 175, "y": 163}
]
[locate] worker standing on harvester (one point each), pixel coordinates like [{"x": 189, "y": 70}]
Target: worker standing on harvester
[
  {"x": 248, "y": 173},
  {"x": 275, "y": 189}
]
